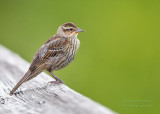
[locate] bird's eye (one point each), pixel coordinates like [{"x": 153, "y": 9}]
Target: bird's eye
[{"x": 71, "y": 29}]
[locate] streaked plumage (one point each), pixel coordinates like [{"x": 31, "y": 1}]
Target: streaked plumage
[{"x": 55, "y": 54}]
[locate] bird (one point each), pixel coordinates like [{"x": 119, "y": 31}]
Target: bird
[{"x": 56, "y": 53}]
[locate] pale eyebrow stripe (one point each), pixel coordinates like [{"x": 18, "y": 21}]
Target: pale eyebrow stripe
[{"x": 67, "y": 27}]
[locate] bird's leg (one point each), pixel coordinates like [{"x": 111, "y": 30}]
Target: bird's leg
[{"x": 56, "y": 78}]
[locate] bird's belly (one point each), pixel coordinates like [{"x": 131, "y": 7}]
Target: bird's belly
[
  {"x": 64, "y": 62},
  {"x": 66, "y": 58}
]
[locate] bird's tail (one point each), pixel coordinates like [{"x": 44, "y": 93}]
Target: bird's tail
[{"x": 26, "y": 77}]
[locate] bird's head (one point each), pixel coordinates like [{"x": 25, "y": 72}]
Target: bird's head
[{"x": 69, "y": 30}]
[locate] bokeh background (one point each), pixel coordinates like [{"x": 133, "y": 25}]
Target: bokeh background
[{"x": 118, "y": 63}]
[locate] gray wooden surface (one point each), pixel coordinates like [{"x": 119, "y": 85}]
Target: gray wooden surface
[{"x": 37, "y": 96}]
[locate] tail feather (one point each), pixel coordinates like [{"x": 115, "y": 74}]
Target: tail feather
[{"x": 25, "y": 78}]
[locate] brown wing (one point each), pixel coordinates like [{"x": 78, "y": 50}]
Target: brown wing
[{"x": 49, "y": 49}]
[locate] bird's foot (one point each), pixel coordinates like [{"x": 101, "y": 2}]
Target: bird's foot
[{"x": 58, "y": 81}]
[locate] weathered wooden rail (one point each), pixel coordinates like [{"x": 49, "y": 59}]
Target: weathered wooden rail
[{"x": 37, "y": 96}]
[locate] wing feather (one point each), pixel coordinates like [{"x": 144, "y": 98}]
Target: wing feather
[{"x": 49, "y": 49}]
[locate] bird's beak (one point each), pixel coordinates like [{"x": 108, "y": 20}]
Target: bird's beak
[{"x": 79, "y": 30}]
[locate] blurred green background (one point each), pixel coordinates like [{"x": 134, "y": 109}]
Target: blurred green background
[{"x": 118, "y": 63}]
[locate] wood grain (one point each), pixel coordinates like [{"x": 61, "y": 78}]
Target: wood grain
[{"x": 37, "y": 96}]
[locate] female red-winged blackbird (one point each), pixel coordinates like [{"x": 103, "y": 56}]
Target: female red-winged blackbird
[{"x": 55, "y": 54}]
